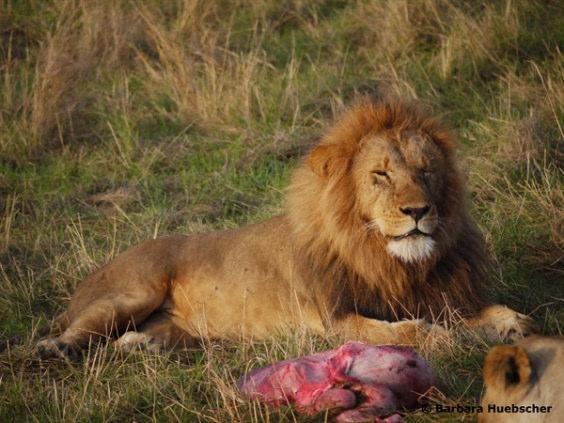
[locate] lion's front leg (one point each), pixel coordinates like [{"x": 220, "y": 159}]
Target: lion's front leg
[
  {"x": 499, "y": 323},
  {"x": 405, "y": 332}
]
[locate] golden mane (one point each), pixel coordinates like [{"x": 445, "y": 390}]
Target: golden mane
[{"x": 349, "y": 264}]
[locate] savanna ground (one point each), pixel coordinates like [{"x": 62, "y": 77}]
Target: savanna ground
[{"x": 125, "y": 120}]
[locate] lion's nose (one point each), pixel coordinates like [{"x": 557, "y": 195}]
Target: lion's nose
[{"x": 415, "y": 212}]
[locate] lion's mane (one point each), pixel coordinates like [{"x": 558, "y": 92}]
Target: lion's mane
[{"x": 348, "y": 266}]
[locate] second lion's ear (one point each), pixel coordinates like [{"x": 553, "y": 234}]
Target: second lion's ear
[
  {"x": 507, "y": 366},
  {"x": 325, "y": 160}
]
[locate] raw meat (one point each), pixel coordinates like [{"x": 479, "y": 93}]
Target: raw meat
[{"x": 359, "y": 382}]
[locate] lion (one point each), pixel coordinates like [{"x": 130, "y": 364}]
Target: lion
[
  {"x": 524, "y": 382},
  {"x": 376, "y": 241}
]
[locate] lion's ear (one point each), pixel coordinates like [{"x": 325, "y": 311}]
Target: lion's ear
[
  {"x": 324, "y": 160},
  {"x": 506, "y": 367}
]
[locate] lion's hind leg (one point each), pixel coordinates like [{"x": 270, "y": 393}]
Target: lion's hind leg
[
  {"x": 102, "y": 318},
  {"x": 117, "y": 297}
]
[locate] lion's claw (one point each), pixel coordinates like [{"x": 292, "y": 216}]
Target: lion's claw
[
  {"x": 51, "y": 348},
  {"x": 500, "y": 323}
]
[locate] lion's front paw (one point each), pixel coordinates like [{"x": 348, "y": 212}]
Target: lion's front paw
[
  {"x": 52, "y": 348},
  {"x": 500, "y": 323}
]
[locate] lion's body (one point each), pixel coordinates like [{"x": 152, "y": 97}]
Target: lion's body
[
  {"x": 376, "y": 230},
  {"x": 218, "y": 284}
]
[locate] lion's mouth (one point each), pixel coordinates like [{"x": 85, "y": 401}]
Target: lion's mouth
[{"x": 413, "y": 232}]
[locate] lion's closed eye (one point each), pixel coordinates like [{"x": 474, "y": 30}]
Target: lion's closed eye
[{"x": 380, "y": 176}]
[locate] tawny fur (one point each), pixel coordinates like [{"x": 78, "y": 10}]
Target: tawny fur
[
  {"x": 524, "y": 374},
  {"x": 323, "y": 266}
]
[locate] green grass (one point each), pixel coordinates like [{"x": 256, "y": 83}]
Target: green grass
[{"x": 124, "y": 120}]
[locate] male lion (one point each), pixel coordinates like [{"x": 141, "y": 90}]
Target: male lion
[
  {"x": 524, "y": 382},
  {"x": 376, "y": 237}
]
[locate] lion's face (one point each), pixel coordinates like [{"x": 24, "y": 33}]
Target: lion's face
[
  {"x": 399, "y": 182},
  {"x": 386, "y": 172}
]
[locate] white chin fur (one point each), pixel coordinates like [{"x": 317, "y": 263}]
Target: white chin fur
[{"x": 412, "y": 249}]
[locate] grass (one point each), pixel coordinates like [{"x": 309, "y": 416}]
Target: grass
[{"x": 120, "y": 121}]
